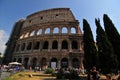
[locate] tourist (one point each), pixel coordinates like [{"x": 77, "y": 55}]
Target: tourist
[
  {"x": 30, "y": 68},
  {"x": 94, "y": 74},
  {"x": 16, "y": 68},
  {"x": 108, "y": 77}
]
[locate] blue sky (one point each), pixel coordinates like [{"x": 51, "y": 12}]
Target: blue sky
[{"x": 13, "y": 10}]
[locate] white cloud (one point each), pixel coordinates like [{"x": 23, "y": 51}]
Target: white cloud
[{"x": 3, "y": 40}]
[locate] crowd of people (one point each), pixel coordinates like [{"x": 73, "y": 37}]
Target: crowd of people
[{"x": 93, "y": 74}]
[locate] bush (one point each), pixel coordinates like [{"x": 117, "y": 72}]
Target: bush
[
  {"x": 72, "y": 75},
  {"x": 49, "y": 71}
]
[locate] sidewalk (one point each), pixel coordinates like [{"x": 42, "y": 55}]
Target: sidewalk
[{"x": 4, "y": 75}]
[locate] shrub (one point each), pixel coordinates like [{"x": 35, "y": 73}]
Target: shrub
[
  {"x": 49, "y": 71},
  {"x": 72, "y": 75}
]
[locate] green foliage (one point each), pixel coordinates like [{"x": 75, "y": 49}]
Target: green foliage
[
  {"x": 90, "y": 51},
  {"x": 72, "y": 75},
  {"x": 108, "y": 61},
  {"x": 0, "y": 57},
  {"x": 49, "y": 71},
  {"x": 113, "y": 35}
]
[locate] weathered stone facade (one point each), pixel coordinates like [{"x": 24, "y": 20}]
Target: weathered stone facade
[{"x": 50, "y": 38}]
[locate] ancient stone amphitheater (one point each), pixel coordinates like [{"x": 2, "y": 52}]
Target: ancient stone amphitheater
[{"x": 48, "y": 38}]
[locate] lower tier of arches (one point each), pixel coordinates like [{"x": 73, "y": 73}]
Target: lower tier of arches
[{"x": 53, "y": 62}]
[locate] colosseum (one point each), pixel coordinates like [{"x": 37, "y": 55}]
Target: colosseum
[{"x": 48, "y": 38}]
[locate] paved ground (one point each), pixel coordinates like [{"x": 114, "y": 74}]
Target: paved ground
[{"x": 4, "y": 75}]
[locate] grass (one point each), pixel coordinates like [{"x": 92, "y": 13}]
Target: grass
[
  {"x": 42, "y": 76},
  {"x": 30, "y": 76}
]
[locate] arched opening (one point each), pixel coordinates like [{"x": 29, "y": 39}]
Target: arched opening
[
  {"x": 23, "y": 47},
  {"x": 39, "y": 32},
  {"x": 74, "y": 45},
  {"x": 44, "y": 63},
  {"x": 73, "y": 30},
  {"x": 46, "y": 44},
  {"x": 34, "y": 62},
  {"x": 64, "y": 30},
  {"x": 21, "y": 36},
  {"x": 75, "y": 63},
  {"x": 47, "y": 31},
  {"x": 53, "y": 63},
  {"x": 64, "y": 63},
  {"x": 37, "y": 45},
  {"x": 55, "y": 45},
  {"x": 64, "y": 44},
  {"x": 26, "y": 62},
  {"x": 14, "y": 60},
  {"x": 32, "y": 33},
  {"x": 29, "y": 47},
  {"x": 56, "y": 30},
  {"x": 20, "y": 60},
  {"x": 26, "y": 35},
  {"x": 17, "y": 47}
]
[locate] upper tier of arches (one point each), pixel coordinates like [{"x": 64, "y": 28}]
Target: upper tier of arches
[{"x": 49, "y": 31}]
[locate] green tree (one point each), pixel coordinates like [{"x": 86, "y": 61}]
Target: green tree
[
  {"x": 108, "y": 61},
  {"x": 0, "y": 57},
  {"x": 90, "y": 51},
  {"x": 113, "y": 35}
]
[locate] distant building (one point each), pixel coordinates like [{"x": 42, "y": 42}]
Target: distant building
[{"x": 48, "y": 38}]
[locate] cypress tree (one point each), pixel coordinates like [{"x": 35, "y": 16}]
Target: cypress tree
[
  {"x": 113, "y": 35},
  {"x": 90, "y": 51},
  {"x": 108, "y": 61}
]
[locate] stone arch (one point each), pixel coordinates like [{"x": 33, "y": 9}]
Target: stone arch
[
  {"x": 37, "y": 45},
  {"x": 39, "y": 32},
  {"x": 34, "y": 62},
  {"x": 17, "y": 47},
  {"x": 47, "y": 31},
  {"x": 29, "y": 46},
  {"x": 64, "y": 63},
  {"x": 14, "y": 60},
  {"x": 75, "y": 63},
  {"x": 32, "y": 33},
  {"x": 55, "y": 30},
  {"x": 19, "y": 60},
  {"x": 55, "y": 44},
  {"x": 64, "y": 30},
  {"x": 43, "y": 63},
  {"x": 74, "y": 44},
  {"x": 23, "y": 47},
  {"x": 22, "y": 36},
  {"x": 53, "y": 63},
  {"x": 26, "y": 62},
  {"x": 46, "y": 45},
  {"x": 26, "y": 35},
  {"x": 73, "y": 30},
  {"x": 64, "y": 44}
]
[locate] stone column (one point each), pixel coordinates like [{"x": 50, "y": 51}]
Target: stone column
[
  {"x": 69, "y": 63},
  {"x": 29, "y": 61},
  {"x": 69, "y": 30},
  {"x": 69, "y": 46},
  {"x": 58, "y": 64},
  {"x": 60, "y": 30},
  {"x": 22, "y": 60},
  {"x": 48, "y": 62},
  {"x": 59, "y": 45},
  {"x": 50, "y": 45}
]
